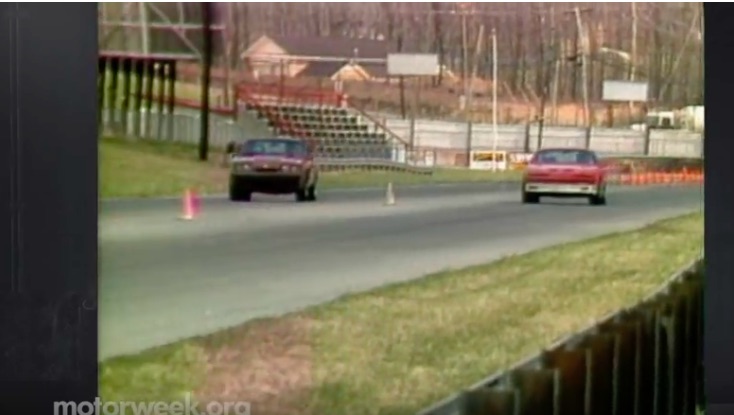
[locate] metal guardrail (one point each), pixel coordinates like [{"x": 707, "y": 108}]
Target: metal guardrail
[
  {"x": 367, "y": 163},
  {"x": 643, "y": 360}
]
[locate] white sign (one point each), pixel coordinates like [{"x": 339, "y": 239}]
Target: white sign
[
  {"x": 488, "y": 160},
  {"x": 412, "y": 64},
  {"x": 519, "y": 160},
  {"x": 625, "y": 91}
]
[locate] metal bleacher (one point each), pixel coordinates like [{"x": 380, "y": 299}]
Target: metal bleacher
[{"x": 321, "y": 118}]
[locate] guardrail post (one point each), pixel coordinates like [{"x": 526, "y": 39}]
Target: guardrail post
[
  {"x": 646, "y": 141},
  {"x": 139, "y": 65},
  {"x": 160, "y": 76},
  {"x": 626, "y": 331},
  {"x": 149, "y": 77},
  {"x": 692, "y": 335},
  {"x": 678, "y": 352},
  {"x": 601, "y": 373},
  {"x": 686, "y": 359},
  {"x": 538, "y": 391},
  {"x": 587, "y": 137},
  {"x": 127, "y": 70},
  {"x": 469, "y": 144},
  {"x": 171, "y": 77},
  {"x": 113, "y": 100},
  {"x": 698, "y": 335},
  {"x": 573, "y": 368},
  {"x": 489, "y": 401},
  {"x": 647, "y": 366}
]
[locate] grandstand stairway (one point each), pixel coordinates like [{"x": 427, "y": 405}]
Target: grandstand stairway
[{"x": 334, "y": 131}]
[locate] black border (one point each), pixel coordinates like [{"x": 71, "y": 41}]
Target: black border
[
  {"x": 48, "y": 310},
  {"x": 719, "y": 206},
  {"x": 48, "y": 187}
]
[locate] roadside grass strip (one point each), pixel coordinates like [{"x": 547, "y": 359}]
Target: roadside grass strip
[
  {"x": 131, "y": 168},
  {"x": 397, "y": 349}
]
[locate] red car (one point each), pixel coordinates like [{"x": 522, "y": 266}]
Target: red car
[
  {"x": 272, "y": 166},
  {"x": 565, "y": 172}
]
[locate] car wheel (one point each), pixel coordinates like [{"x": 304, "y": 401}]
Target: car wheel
[
  {"x": 530, "y": 197},
  {"x": 236, "y": 193},
  {"x": 301, "y": 195},
  {"x": 598, "y": 200},
  {"x": 311, "y": 193}
]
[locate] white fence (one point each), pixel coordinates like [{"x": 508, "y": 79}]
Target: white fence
[
  {"x": 184, "y": 126},
  {"x": 464, "y": 136}
]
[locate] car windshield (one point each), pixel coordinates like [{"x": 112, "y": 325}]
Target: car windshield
[
  {"x": 270, "y": 147},
  {"x": 564, "y": 157}
]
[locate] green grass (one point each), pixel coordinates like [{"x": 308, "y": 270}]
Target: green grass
[
  {"x": 399, "y": 348},
  {"x": 146, "y": 168}
]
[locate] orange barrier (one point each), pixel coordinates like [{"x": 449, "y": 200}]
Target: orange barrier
[{"x": 656, "y": 178}]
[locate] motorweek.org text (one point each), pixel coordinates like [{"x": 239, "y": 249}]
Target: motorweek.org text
[{"x": 185, "y": 407}]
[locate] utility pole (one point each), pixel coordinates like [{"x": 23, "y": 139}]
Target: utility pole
[
  {"x": 229, "y": 36},
  {"x": 495, "y": 134},
  {"x": 465, "y": 63},
  {"x": 633, "y": 55},
  {"x": 206, "y": 64},
  {"x": 145, "y": 40},
  {"x": 470, "y": 95},
  {"x": 144, "y": 28},
  {"x": 556, "y": 66},
  {"x": 543, "y": 83},
  {"x": 584, "y": 70}
]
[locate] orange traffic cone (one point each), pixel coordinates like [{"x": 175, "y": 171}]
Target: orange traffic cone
[
  {"x": 668, "y": 178},
  {"x": 650, "y": 177},
  {"x": 659, "y": 178},
  {"x": 190, "y": 205},
  {"x": 636, "y": 179}
]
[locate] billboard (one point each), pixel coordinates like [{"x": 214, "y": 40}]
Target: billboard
[
  {"x": 624, "y": 91},
  {"x": 412, "y": 64},
  {"x": 488, "y": 160}
]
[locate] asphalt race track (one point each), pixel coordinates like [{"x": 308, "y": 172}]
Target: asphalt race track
[{"x": 163, "y": 279}]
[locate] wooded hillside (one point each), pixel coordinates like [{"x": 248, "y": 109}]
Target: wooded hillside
[{"x": 539, "y": 44}]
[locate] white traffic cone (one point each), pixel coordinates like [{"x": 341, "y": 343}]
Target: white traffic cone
[{"x": 389, "y": 195}]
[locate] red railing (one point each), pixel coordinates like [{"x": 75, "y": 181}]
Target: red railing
[
  {"x": 289, "y": 94},
  {"x": 194, "y": 104}
]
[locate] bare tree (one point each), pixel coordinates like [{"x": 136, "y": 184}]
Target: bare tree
[{"x": 438, "y": 39}]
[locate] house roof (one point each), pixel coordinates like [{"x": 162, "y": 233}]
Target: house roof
[
  {"x": 322, "y": 69},
  {"x": 333, "y": 46},
  {"x": 375, "y": 70}
]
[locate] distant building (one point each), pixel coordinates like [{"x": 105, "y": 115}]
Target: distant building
[{"x": 269, "y": 55}]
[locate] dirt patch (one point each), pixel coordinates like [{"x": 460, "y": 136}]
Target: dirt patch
[{"x": 268, "y": 364}]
